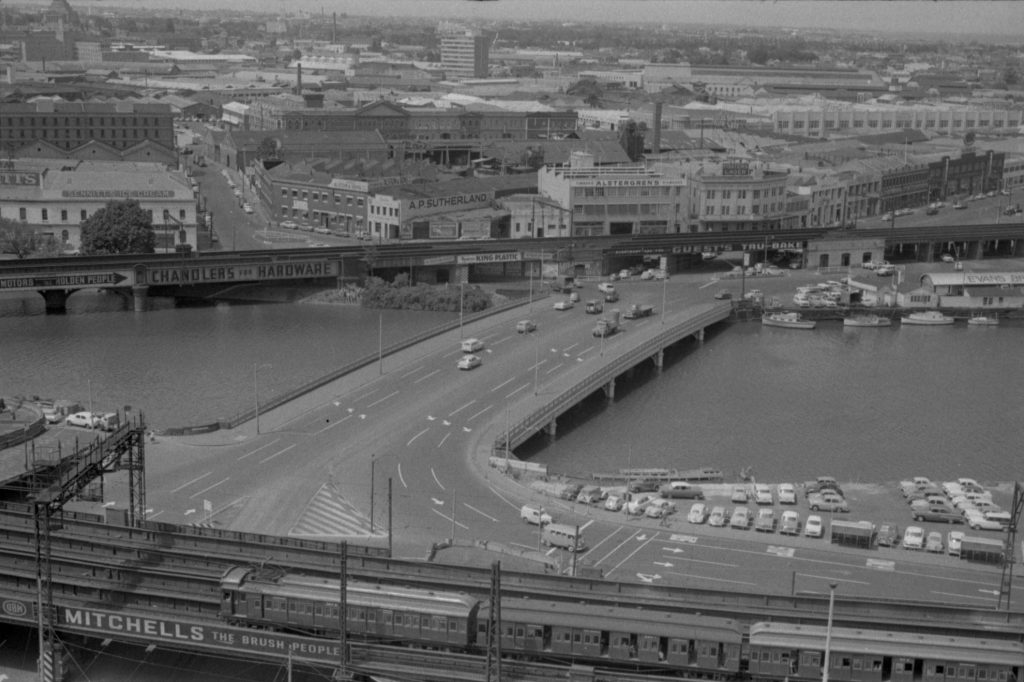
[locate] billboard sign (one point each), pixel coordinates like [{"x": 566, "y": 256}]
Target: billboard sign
[{"x": 205, "y": 274}]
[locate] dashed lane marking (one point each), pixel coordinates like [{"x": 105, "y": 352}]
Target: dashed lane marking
[
  {"x": 380, "y": 400},
  {"x": 262, "y": 447},
  {"x": 426, "y": 376},
  {"x": 194, "y": 480},
  {"x": 517, "y": 390},
  {"x": 209, "y": 488},
  {"x": 328, "y": 513},
  {"x": 279, "y": 452},
  {"x": 460, "y": 409}
]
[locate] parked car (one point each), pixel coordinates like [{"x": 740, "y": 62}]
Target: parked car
[
  {"x": 614, "y": 503},
  {"x": 643, "y": 485},
  {"x": 590, "y": 494},
  {"x": 933, "y": 543},
  {"x": 789, "y": 524},
  {"x": 958, "y": 205},
  {"x": 606, "y": 287},
  {"x": 888, "y": 535},
  {"x": 827, "y": 500},
  {"x": 698, "y": 513},
  {"x": 86, "y": 420},
  {"x": 822, "y": 483},
  {"x": 938, "y": 515},
  {"x": 660, "y": 508},
  {"x": 954, "y": 540},
  {"x": 638, "y": 504},
  {"x": 786, "y": 493},
  {"x": 814, "y": 527},
  {"x": 469, "y": 362},
  {"x": 563, "y": 305},
  {"x": 763, "y": 494},
  {"x": 913, "y": 538},
  {"x": 740, "y": 518},
  {"x": 723, "y": 295},
  {"x": 739, "y": 494},
  {"x": 977, "y": 521},
  {"x": 681, "y": 490},
  {"x": 765, "y": 521},
  {"x": 717, "y": 517},
  {"x": 526, "y": 326}
]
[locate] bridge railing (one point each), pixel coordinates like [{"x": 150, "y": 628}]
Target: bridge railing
[
  {"x": 365, "y": 361},
  {"x": 528, "y": 425}
]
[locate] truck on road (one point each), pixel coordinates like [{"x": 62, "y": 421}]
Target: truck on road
[
  {"x": 638, "y": 310},
  {"x": 607, "y": 326}
]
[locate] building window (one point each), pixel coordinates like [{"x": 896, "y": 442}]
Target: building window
[
  {"x": 63, "y": 215},
  {"x": 46, "y": 215},
  {"x": 23, "y": 213},
  {"x": 84, "y": 214},
  {"x": 181, "y": 213}
]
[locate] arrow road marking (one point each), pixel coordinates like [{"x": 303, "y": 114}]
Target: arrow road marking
[
  {"x": 429, "y": 418},
  {"x": 439, "y": 503},
  {"x": 674, "y": 550},
  {"x": 666, "y": 564},
  {"x": 446, "y": 422},
  {"x": 647, "y": 577}
]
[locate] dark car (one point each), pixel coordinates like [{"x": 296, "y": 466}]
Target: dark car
[
  {"x": 644, "y": 485},
  {"x": 938, "y": 515},
  {"x": 611, "y": 297},
  {"x": 822, "y": 483},
  {"x": 888, "y": 535}
]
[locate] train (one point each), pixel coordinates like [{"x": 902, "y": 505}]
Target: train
[{"x": 627, "y": 637}]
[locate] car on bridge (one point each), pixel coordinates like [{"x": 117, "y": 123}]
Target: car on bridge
[
  {"x": 469, "y": 362},
  {"x": 606, "y": 287},
  {"x": 563, "y": 305},
  {"x": 526, "y": 326}
]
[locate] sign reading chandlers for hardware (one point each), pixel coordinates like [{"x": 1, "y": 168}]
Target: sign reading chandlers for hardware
[{"x": 203, "y": 274}]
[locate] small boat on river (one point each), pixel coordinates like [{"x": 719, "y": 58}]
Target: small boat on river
[
  {"x": 787, "y": 320},
  {"x": 983, "y": 320},
  {"x": 866, "y": 321},
  {"x": 928, "y": 317}
]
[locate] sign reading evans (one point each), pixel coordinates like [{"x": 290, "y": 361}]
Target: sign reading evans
[
  {"x": 202, "y": 635},
  {"x": 201, "y": 274}
]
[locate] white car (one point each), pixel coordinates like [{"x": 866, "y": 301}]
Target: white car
[
  {"x": 947, "y": 258},
  {"x": 718, "y": 517},
  {"x": 606, "y": 287},
  {"x": 977, "y": 521},
  {"x": 698, "y": 513},
  {"x": 469, "y": 362},
  {"x": 86, "y": 420},
  {"x": 563, "y": 305},
  {"x": 954, "y": 539},
  {"x": 739, "y": 494},
  {"x": 763, "y": 494},
  {"x": 660, "y": 508},
  {"x": 786, "y": 493},
  {"x": 913, "y": 538},
  {"x": 813, "y": 528},
  {"x": 790, "y": 523},
  {"x": 614, "y": 503}
]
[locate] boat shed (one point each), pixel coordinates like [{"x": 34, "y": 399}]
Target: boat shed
[{"x": 976, "y": 290}]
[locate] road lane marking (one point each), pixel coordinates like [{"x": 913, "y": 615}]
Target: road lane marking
[
  {"x": 279, "y": 452},
  {"x": 194, "y": 480},
  {"x": 585, "y": 350},
  {"x": 501, "y": 340},
  {"x": 503, "y": 498},
  {"x": 460, "y": 409},
  {"x": 710, "y": 563},
  {"x": 709, "y": 284},
  {"x": 197, "y": 494},
  {"x": 965, "y": 596},
  {"x": 400, "y": 477},
  {"x": 554, "y": 368},
  {"x": 584, "y": 526},
  {"x": 436, "y": 480},
  {"x": 444, "y": 439},
  {"x": 449, "y": 520},
  {"x": 426, "y": 376},
  {"x": 832, "y": 579},
  {"x": 367, "y": 395},
  {"x": 336, "y": 423},
  {"x": 617, "y": 547},
  {"x": 380, "y": 400},
  {"x": 707, "y": 577},
  {"x": 253, "y": 452},
  {"x": 481, "y": 513},
  {"x": 502, "y": 384},
  {"x": 569, "y": 348},
  {"x": 413, "y": 371},
  {"x": 639, "y": 547},
  {"x": 534, "y": 366},
  {"x": 417, "y": 436},
  {"x": 477, "y": 414},
  {"x": 509, "y": 395}
]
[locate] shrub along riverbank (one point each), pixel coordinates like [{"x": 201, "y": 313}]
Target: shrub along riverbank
[{"x": 401, "y": 295}]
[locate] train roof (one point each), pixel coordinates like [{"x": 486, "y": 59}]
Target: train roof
[
  {"x": 312, "y": 588},
  {"x": 887, "y": 643},
  {"x": 621, "y": 619}
]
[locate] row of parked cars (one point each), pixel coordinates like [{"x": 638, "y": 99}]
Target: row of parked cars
[
  {"x": 765, "y": 520},
  {"x": 962, "y": 501}
]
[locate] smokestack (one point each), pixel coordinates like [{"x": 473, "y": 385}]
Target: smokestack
[
  {"x": 298, "y": 79},
  {"x": 656, "y": 143},
  {"x": 334, "y": 29}
]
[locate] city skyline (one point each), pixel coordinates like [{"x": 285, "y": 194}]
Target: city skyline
[{"x": 967, "y": 18}]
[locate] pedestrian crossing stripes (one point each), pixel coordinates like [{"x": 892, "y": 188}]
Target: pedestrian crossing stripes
[{"x": 328, "y": 513}]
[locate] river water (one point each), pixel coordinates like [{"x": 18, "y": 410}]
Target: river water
[{"x": 859, "y": 404}]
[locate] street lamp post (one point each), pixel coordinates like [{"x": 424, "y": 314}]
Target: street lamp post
[
  {"x": 664, "y": 286},
  {"x": 462, "y": 299},
  {"x": 256, "y": 394},
  {"x": 828, "y": 631}
]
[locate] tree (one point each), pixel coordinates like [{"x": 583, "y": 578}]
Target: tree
[
  {"x": 119, "y": 227},
  {"x": 631, "y": 137},
  {"x": 267, "y": 151},
  {"x": 22, "y": 240}
]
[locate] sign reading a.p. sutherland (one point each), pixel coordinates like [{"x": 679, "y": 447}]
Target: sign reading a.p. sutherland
[
  {"x": 204, "y": 274},
  {"x": 433, "y": 204}
]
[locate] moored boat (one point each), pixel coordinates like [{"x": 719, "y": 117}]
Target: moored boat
[
  {"x": 787, "y": 320},
  {"x": 927, "y": 317},
  {"x": 983, "y": 320},
  {"x": 866, "y": 321}
]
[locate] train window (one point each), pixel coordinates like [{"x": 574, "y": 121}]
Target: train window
[
  {"x": 536, "y": 631},
  {"x": 940, "y": 669},
  {"x": 908, "y": 666},
  {"x": 371, "y": 616},
  {"x": 876, "y": 665},
  {"x": 576, "y": 638},
  {"x": 856, "y": 664},
  {"x": 766, "y": 656},
  {"x": 844, "y": 663},
  {"x": 509, "y": 630},
  {"x": 387, "y": 617},
  {"x": 319, "y": 610},
  {"x": 624, "y": 641},
  {"x": 982, "y": 675},
  {"x": 776, "y": 656},
  {"x": 520, "y": 631},
  {"x": 453, "y": 626}
]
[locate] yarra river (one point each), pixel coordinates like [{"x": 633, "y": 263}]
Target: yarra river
[{"x": 867, "y": 405}]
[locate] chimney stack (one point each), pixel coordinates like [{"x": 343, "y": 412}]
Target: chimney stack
[
  {"x": 298, "y": 79},
  {"x": 656, "y": 143}
]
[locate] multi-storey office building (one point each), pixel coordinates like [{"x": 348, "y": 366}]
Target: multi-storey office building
[
  {"x": 860, "y": 119},
  {"x": 464, "y": 52},
  {"x": 736, "y": 196}
]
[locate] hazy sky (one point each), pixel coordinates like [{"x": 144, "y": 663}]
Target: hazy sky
[{"x": 990, "y": 17}]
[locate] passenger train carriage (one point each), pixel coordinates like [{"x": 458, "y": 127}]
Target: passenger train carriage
[
  {"x": 381, "y": 612},
  {"x": 783, "y": 650},
  {"x": 626, "y": 635}
]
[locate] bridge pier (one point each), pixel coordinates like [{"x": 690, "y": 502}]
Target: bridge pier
[
  {"x": 139, "y": 294},
  {"x": 972, "y": 251},
  {"x": 609, "y": 390},
  {"x": 552, "y": 428},
  {"x": 659, "y": 359},
  {"x": 56, "y": 300},
  {"x": 699, "y": 335}
]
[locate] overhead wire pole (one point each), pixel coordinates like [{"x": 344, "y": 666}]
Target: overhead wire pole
[
  {"x": 494, "y": 626},
  {"x": 1006, "y": 582},
  {"x": 343, "y": 661}
]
